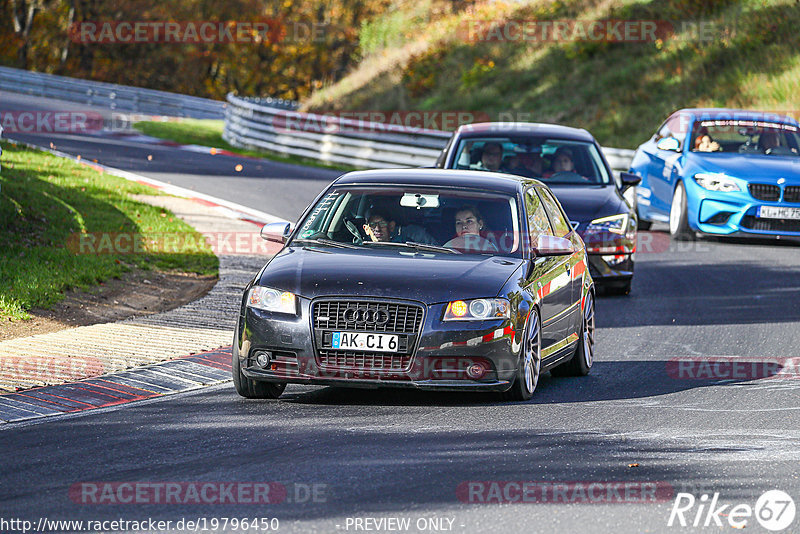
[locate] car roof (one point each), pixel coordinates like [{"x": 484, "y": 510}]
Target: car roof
[
  {"x": 511, "y": 129},
  {"x": 740, "y": 114},
  {"x": 491, "y": 181}
]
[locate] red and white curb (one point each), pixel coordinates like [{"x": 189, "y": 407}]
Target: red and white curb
[{"x": 157, "y": 380}]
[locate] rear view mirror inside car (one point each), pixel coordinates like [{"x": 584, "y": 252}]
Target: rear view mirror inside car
[{"x": 418, "y": 200}]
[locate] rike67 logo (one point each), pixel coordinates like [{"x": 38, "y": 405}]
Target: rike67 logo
[{"x": 774, "y": 510}]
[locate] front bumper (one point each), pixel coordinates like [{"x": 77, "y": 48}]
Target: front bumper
[
  {"x": 439, "y": 359},
  {"x": 607, "y": 268},
  {"x": 735, "y": 214}
]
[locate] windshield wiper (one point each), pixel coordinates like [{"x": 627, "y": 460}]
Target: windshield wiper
[
  {"x": 432, "y": 248},
  {"x": 329, "y": 242},
  {"x": 414, "y": 244}
]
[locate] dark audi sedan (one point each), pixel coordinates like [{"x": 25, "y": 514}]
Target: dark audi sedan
[
  {"x": 428, "y": 279},
  {"x": 570, "y": 162}
]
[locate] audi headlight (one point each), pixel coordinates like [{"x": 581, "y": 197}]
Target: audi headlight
[
  {"x": 616, "y": 224},
  {"x": 716, "y": 182},
  {"x": 477, "y": 310},
  {"x": 268, "y": 299}
]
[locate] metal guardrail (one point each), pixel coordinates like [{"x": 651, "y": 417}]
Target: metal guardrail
[
  {"x": 263, "y": 123},
  {"x": 256, "y": 123},
  {"x": 252, "y": 124},
  {"x": 115, "y": 97}
]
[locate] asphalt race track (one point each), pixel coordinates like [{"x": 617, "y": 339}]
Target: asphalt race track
[{"x": 649, "y": 414}]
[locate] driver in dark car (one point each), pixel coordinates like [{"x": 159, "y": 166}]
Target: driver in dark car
[
  {"x": 386, "y": 229},
  {"x": 491, "y": 157}
]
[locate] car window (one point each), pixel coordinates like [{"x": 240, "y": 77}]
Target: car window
[
  {"x": 538, "y": 223},
  {"x": 560, "y": 225},
  {"x": 746, "y": 137},
  {"x": 469, "y": 221},
  {"x": 673, "y": 127},
  {"x": 555, "y": 160}
]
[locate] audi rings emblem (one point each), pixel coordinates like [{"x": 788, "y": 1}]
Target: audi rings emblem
[{"x": 366, "y": 316}]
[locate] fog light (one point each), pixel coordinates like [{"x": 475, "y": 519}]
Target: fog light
[
  {"x": 263, "y": 357},
  {"x": 476, "y": 371}
]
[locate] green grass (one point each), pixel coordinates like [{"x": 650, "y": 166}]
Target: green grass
[
  {"x": 47, "y": 203},
  {"x": 208, "y": 132},
  {"x": 621, "y": 92}
]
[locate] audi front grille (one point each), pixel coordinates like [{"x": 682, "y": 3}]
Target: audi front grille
[{"x": 381, "y": 317}]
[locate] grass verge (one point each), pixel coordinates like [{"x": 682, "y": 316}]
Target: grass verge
[
  {"x": 208, "y": 132},
  {"x": 48, "y": 203},
  {"x": 712, "y": 53}
]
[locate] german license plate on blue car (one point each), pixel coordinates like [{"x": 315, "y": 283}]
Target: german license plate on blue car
[
  {"x": 364, "y": 341},
  {"x": 778, "y": 212}
]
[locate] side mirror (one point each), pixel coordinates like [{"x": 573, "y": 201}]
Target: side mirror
[
  {"x": 548, "y": 245},
  {"x": 277, "y": 232},
  {"x": 629, "y": 180},
  {"x": 668, "y": 143}
]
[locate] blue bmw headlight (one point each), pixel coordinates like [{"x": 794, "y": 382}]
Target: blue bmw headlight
[{"x": 716, "y": 182}]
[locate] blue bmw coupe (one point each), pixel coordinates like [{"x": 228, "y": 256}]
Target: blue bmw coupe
[{"x": 721, "y": 172}]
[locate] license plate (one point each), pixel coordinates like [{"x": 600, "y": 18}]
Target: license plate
[
  {"x": 778, "y": 212},
  {"x": 364, "y": 341}
]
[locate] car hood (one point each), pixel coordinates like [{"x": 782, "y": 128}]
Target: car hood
[
  {"x": 583, "y": 203},
  {"x": 391, "y": 273},
  {"x": 751, "y": 167}
]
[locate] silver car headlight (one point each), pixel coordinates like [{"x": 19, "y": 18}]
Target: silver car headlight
[
  {"x": 716, "y": 182},
  {"x": 477, "y": 310},
  {"x": 273, "y": 300}
]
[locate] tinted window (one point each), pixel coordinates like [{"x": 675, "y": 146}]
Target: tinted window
[
  {"x": 674, "y": 127},
  {"x": 560, "y": 225},
  {"x": 553, "y": 160},
  {"x": 379, "y": 216},
  {"x": 746, "y": 137}
]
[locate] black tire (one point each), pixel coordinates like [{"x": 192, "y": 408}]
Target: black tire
[
  {"x": 678, "y": 217},
  {"x": 253, "y": 389},
  {"x": 581, "y": 362},
  {"x": 530, "y": 365},
  {"x": 643, "y": 225}
]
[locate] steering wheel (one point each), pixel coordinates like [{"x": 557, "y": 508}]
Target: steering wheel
[{"x": 352, "y": 227}]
